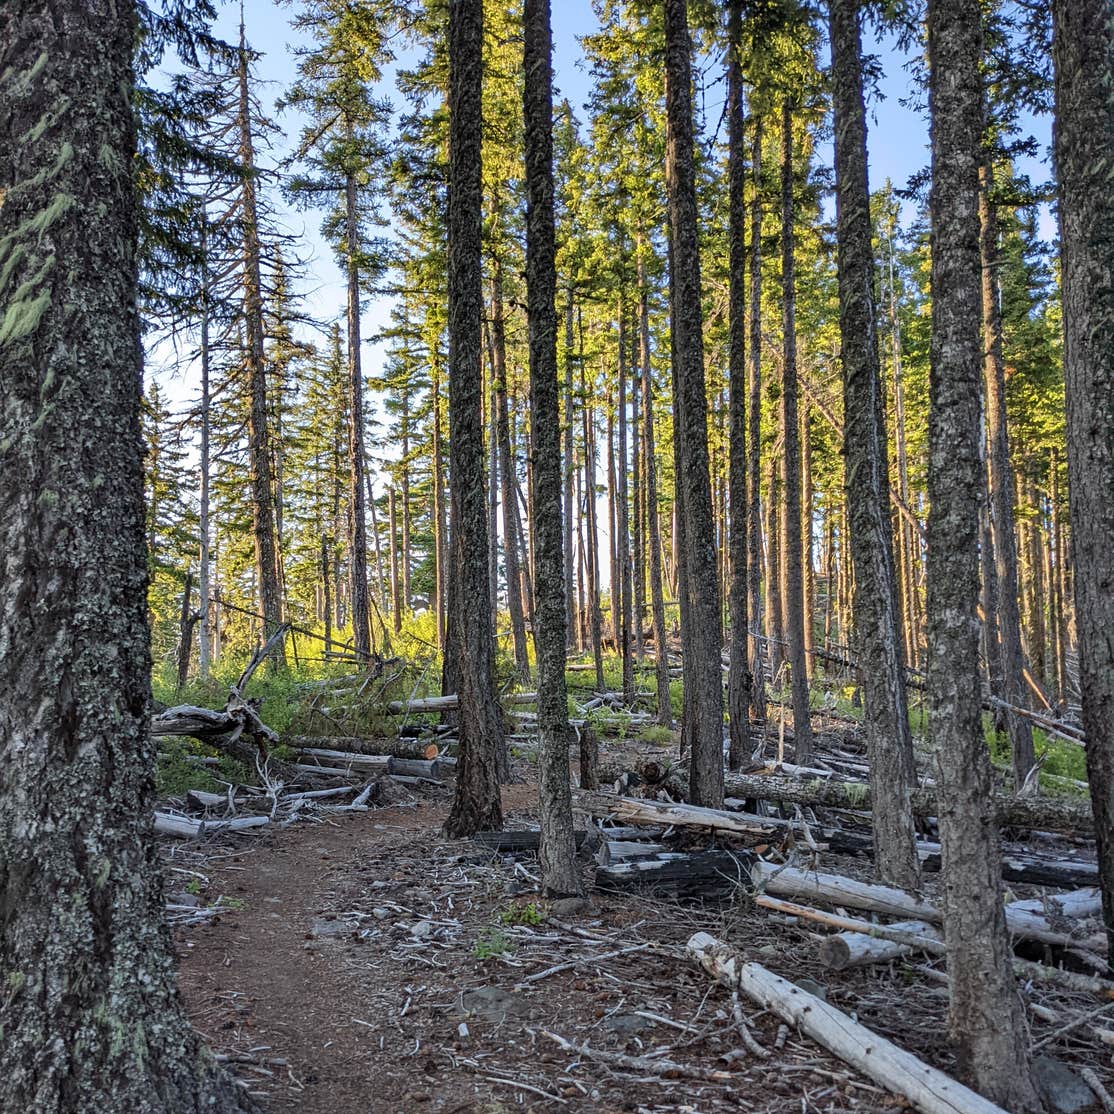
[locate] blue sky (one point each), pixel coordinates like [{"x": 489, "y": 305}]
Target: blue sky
[{"x": 897, "y": 145}]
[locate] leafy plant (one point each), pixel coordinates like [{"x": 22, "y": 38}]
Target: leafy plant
[
  {"x": 529, "y": 914},
  {"x": 491, "y": 942}
]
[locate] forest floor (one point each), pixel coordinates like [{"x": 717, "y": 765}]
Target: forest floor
[{"x": 367, "y": 964}]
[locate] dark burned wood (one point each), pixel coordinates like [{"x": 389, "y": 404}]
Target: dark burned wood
[
  {"x": 1033, "y": 870},
  {"x": 701, "y": 874},
  {"x": 520, "y": 841}
]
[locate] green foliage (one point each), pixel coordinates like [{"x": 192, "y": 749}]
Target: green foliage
[
  {"x": 530, "y": 914},
  {"x": 179, "y": 771},
  {"x": 1057, "y": 759},
  {"x": 657, "y": 735},
  {"x": 492, "y": 942}
]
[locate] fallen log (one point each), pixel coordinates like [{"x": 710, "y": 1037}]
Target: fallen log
[
  {"x": 450, "y": 701},
  {"x": 396, "y": 748},
  {"x": 1023, "y": 919},
  {"x": 859, "y": 949},
  {"x": 1016, "y": 866},
  {"x": 856, "y": 949},
  {"x": 834, "y": 889},
  {"x": 900, "y": 1072},
  {"x": 624, "y": 850},
  {"x": 1047, "y": 813},
  {"x": 186, "y": 827},
  {"x": 364, "y": 763},
  {"x": 512, "y": 841},
  {"x": 230, "y": 728},
  {"x": 347, "y": 763},
  {"x": 1023, "y": 968},
  {"x": 640, "y": 811},
  {"x": 701, "y": 874}
]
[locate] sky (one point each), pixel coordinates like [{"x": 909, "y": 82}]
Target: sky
[{"x": 898, "y": 139}]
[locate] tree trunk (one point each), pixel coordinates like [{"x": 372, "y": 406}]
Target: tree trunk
[
  {"x": 985, "y": 1021},
  {"x": 1083, "y": 39},
  {"x": 509, "y": 487},
  {"x": 653, "y": 522},
  {"x": 570, "y": 475},
  {"x": 259, "y": 439},
  {"x": 92, "y": 1019},
  {"x": 702, "y": 650},
  {"x": 595, "y": 620},
  {"x": 476, "y": 803},
  {"x": 1060, "y": 602},
  {"x": 396, "y": 586},
  {"x": 404, "y": 499},
  {"x": 638, "y": 529},
  {"x": 808, "y": 505},
  {"x": 615, "y": 576},
  {"x": 754, "y": 448},
  {"x": 906, "y": 535},
  {"x": 492, "y": 487},
  {"x": 739, "y": 698},
  {"x": 437, "y": 479},
  {"x": 186, "y": 620},
  {"x": 775, "y": 613},
  {"x": 361, "y": 611},
  {"x": 876, "y": 621},
  {"x": 326, "y": 594},
  {"x": 204, "y": 529},
  {"x": 557, "y": 851},
  {"x": 791, "y": 552},
  {"x": 1001, "y": 486},
  {"x": 622, "y": 519}
]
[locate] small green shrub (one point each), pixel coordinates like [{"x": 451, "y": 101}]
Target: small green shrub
[
  {"x": 491, "y": 942},
  {"x": 529, "y": 914}
]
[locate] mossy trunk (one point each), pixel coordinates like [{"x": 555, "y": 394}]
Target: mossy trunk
[{"x": 90, "y": 1017}]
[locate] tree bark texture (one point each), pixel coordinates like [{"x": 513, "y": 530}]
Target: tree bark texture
[
  {"x": 1002, "y": 487},
  {"x": 557, "y": 851},
  {"x": 984, "y": 1017},
  {"x": 653, "y": 521},
  {"x": 702, "y": 649},
  {"x": 1083, "y": 49},
  {"x": 754, "y": 448},
  {"x": 876, "y": 621},
  {"x": 90, "y": 1017},
  {"x": 361, "y": 613},
  {"x": 477, "y": 803},
  {"x": 739, "y": 678},
  {"x": 506, "y": 468},
  {"x": 259, "y": 434},
  {"x": 792, "y": 556}
]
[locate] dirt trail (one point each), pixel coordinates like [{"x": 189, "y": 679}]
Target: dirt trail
[
  {"x": 367, "y": 965},
  {"x": 262, "y": 976}
]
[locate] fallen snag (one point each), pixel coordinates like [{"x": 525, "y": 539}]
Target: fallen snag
[{"x": 900, "y": 1072}]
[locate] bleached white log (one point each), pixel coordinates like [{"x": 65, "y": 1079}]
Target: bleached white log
[
  {"x": 834, "y": 889},
  {"x": 854, "y": 949},
  {"x": 186, "y": 827},
  {"x": 365, "y": 763},
  {"x": 900, "y": 1072}
]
